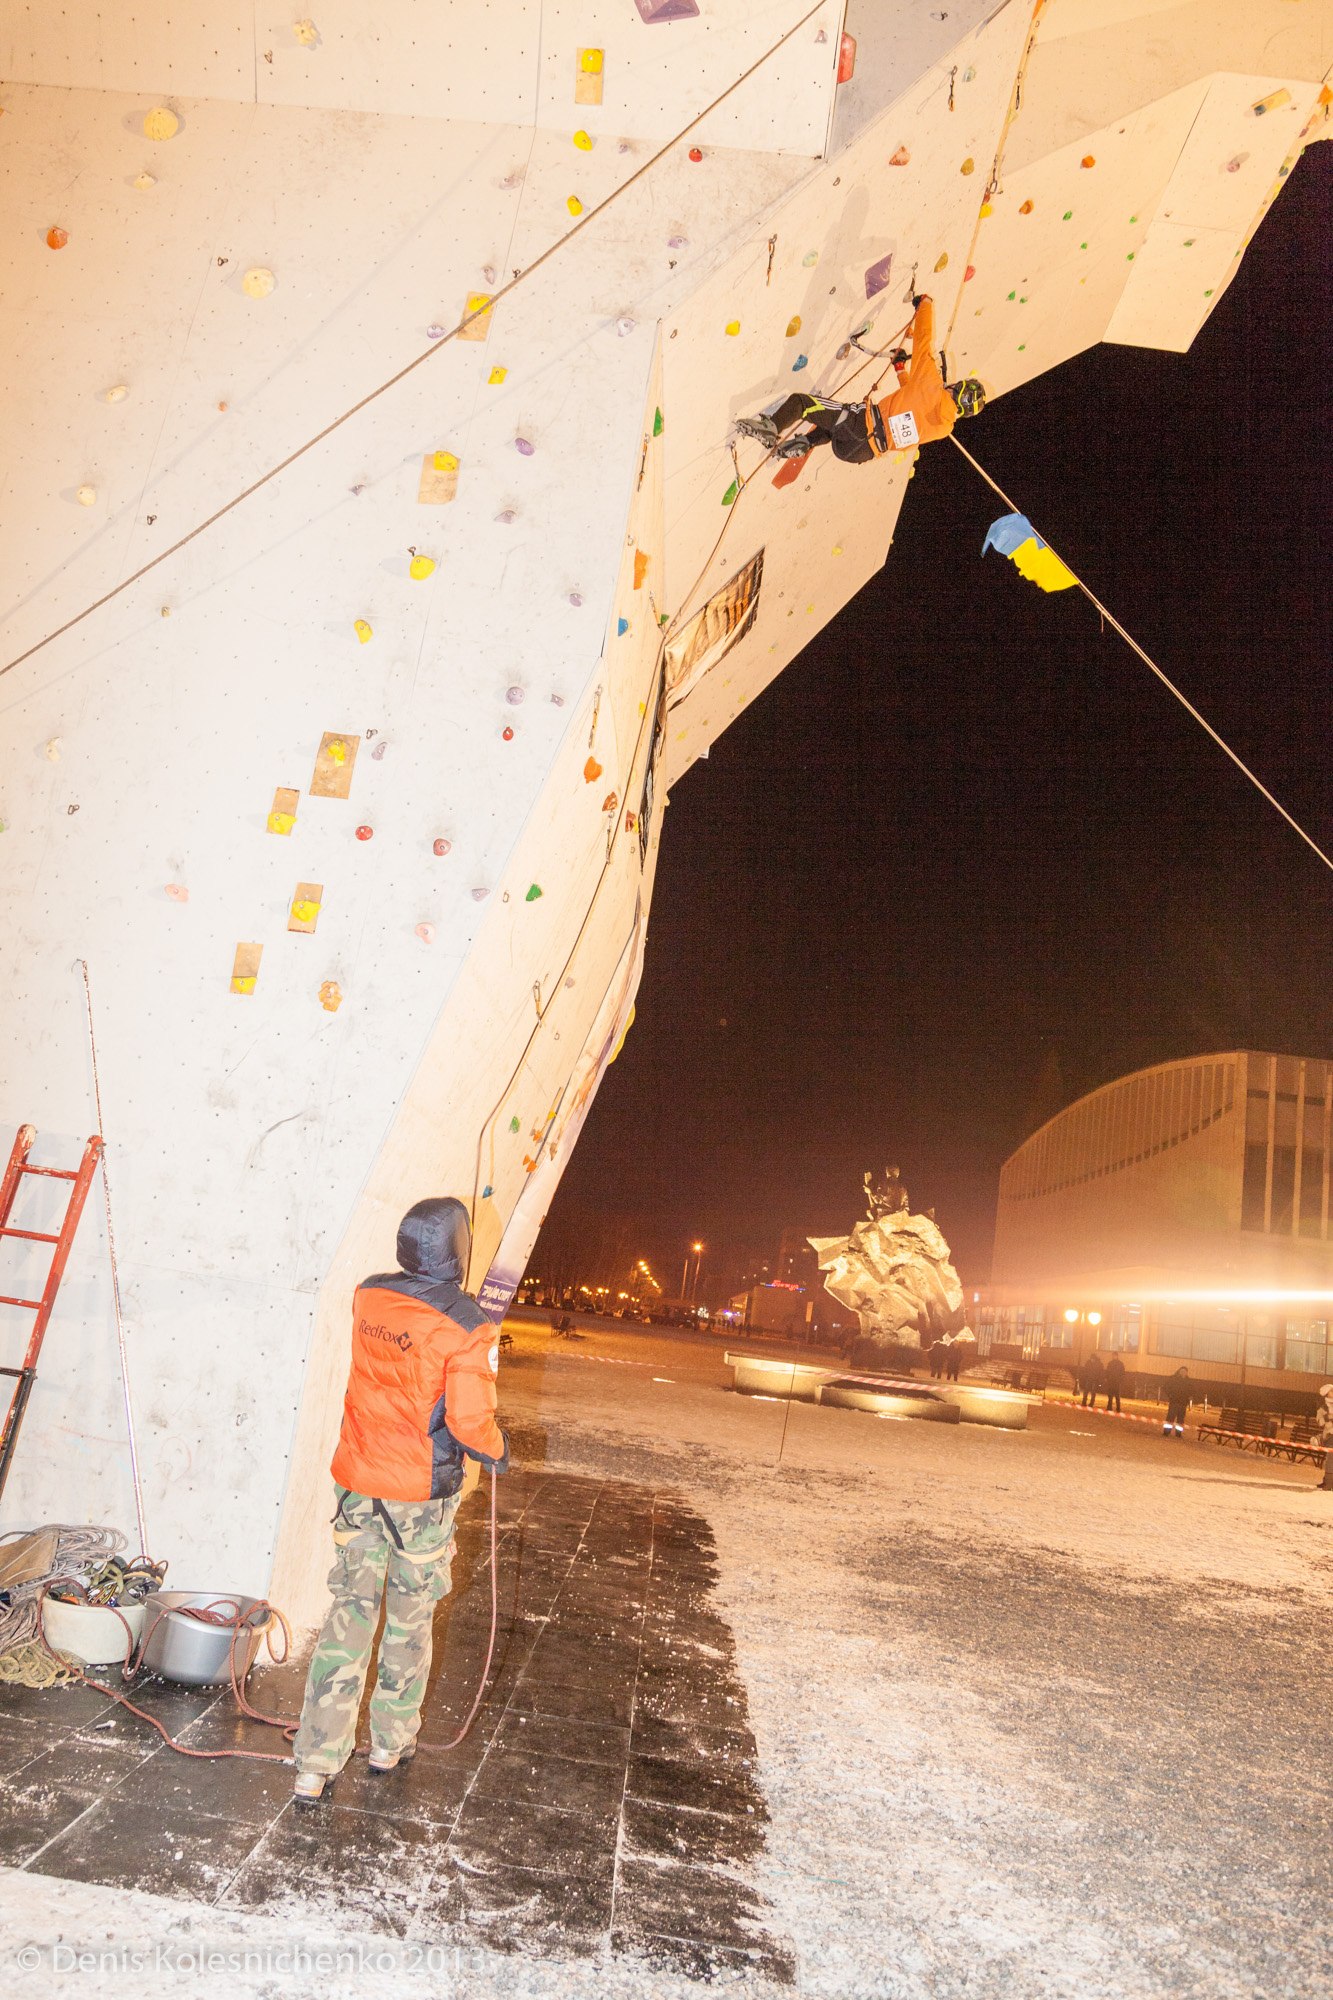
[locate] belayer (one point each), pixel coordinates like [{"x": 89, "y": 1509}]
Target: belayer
[
  {"x": 922, "y": 408},
  {"x": 420, "y": 1399}
]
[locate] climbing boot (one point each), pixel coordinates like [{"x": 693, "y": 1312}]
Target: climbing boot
[
  {"x": 384, "y": 1761},
  {"x": 761, "y": 429},
  {"x": 309, "y": 1789}
]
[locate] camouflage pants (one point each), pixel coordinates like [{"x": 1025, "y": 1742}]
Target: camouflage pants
[{"x": 408, "y": 1545}]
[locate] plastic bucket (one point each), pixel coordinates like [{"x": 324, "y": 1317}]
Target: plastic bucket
[
  {"x": 186, "y": 1649},
  {"x": 91, "y": 1633}
]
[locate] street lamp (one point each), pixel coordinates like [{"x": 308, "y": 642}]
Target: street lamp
[{"x": 687, "y": 1290}]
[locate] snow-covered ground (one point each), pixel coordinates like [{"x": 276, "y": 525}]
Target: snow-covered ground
[{"x": 1037, "y": 1713}]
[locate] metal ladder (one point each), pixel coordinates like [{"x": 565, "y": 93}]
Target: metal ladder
[{"x": 81, "y": 1179}]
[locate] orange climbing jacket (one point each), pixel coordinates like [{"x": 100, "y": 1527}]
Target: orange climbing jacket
[
  {"x": 922, "y": 409},
  {"x": 421, "y": 1393}
]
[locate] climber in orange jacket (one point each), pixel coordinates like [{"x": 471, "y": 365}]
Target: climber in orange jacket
[
  {"x": 922, "y": 408},
  {"x": 420, "y": 1400}
]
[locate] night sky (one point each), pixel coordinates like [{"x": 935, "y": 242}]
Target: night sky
[{"x": 966, "y": 859}]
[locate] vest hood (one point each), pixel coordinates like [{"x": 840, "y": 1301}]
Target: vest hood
[{"x": 434, "y": 1239}]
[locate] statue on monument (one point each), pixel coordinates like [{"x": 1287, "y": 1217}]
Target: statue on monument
[{"x": 893, "y": 1271}]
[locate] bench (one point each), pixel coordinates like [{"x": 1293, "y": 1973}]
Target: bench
[
  {"x": 1248, "y": 1430},
  {"x": 1300, "y": 1443}
]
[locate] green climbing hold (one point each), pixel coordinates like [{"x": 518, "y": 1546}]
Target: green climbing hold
[
  {"x": 730, "y": 493},
  {"x": 513, "y": 1124},
  {"x": 657, "y": 423},
  {"x": 1069, "y": 215},
  {"x": 533, "y": 893},
  {"x": 1013, "y": 295}
]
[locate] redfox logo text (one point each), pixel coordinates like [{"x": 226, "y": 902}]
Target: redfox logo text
[{"x": 380, "y": 1332}]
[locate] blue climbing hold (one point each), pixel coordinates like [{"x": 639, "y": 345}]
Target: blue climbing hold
[
  {"x": 622, "y": 627},
  {"x": 486, "y": 1193},
  {"x": 801, "y": 361}
]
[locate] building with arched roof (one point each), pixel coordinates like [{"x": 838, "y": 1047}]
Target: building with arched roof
[{"x": 1176, "y": 1216}]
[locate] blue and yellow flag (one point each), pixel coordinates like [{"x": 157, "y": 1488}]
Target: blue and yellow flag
[{"x": 1014, "y": 536}]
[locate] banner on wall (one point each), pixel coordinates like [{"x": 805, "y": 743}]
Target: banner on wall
[
  {"x": 711, "y": 633},
  {"x": 496, "y": 1292}
]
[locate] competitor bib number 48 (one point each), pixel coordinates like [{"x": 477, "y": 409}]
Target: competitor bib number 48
[{"x": 903, "y": 430}]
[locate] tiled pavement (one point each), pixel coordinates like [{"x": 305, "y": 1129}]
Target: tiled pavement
[{"x": 607, "y": 1798}]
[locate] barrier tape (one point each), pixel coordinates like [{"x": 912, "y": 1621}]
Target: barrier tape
[{"x": 1274, "y": 1444}]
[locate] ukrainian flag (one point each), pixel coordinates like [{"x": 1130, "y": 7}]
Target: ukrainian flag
[{"x": 1014, "y": 536}]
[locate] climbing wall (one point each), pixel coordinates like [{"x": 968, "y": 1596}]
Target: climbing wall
[{"x": 351, "y": 805}]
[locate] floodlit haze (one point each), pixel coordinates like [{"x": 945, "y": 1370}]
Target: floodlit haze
[{"x": 966, "y": 859}]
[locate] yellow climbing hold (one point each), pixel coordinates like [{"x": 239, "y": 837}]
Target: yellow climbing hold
[
  {"x": 306, "y": 33},
  {"x": 445, "y": 462},
  {"x": 161, "y": 123},
  {"x": 337, "y": 751},
  {"x": 590, "y": 61},
  {"x": 583, "y": 142},
  {"x": 280, "y": 822},
  {"x": 330, "y": 996},
  {"x": 420, "y": 568},
  {"x": 793, "y": 325},
  {"x": 941, "y": 260},
  {"x": 969, "y": 166},
  {"x": 363, "y": 631},
  {"x": 733, "y": 326},
  {"x": 116, "y": 393},
  {"x": 304, "y": 911},
  {"x": 574, "y": 205},
  {"x": 246, "y": 985},
  {"x": 985, "y": 210},
  {"x": 496, "y": 377},
  {"x": 258, "y": 282},
  {"x": 145, "y": 181}
]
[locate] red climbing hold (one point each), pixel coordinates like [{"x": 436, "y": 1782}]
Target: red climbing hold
[
  {"x": 696, "y": 154},
  {"x": 365, "y": 833},
  {"x": 440, "y": 847},
  {"x": 507, "y": 733}
]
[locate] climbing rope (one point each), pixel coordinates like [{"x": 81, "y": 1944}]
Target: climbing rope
[
  {"x": 493, "y": 300},
  {"x": 1153, "y": 667},
  {"x": 82, "y": 963}
]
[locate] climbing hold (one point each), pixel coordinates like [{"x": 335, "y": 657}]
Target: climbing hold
[
  {"x": 441, "y": 847},
  {"x": 56, "y": 237},
  {"x": 1236, "y": 162},
  {"x": 306, "y": 33},
  {"x": 1088, "y": 160},
  {"x": 641, "y": 561},
  {"x": 86, "y": 496},
  {"x": 730, "y": 493},
  {"x": 365, "y": 833},
  {"x": 576, "y": 599},
  {"x": 496, "y": 377},
  {"x": 985, "y": 210},
  {"x": 592, "y": 771},
  {"x": 337, "y": 750},
  {"x": 941, "y": 260},
  {"x": 363, "y": 631},
  {"x": 590, "y": 61},
  {"x": 507, "y": 515},
  {"x": 160, "y": 123},
  {"x": 378, "y": 752},
  {"x": 837, "y": 548},
  {"x": 970, "y": 272},
  {"x": 622, "y": 627},
  {"x": 625, "y": 326},
  {"x": 305, "y": 911},
  {"x": 178, "y": 892},
  {"x": 1068, "y": 215},
  {"x": 507, "y": 733},
  {"x": 52, "y": 751},
  {"x": 524, "y": 447},
  {"x": 901, "y": 158},
  {"x": 793, "y": 326},
  {"x": 658, "y": 423},
  {"x": 116, "y": 393},
  {"x": 574, "y": 205},
  {"x": 969, "y": 166},
  {"x": 330, "y": 996},
  {"x": 480, "y": 895},
  {"x": 487, "y": 1192},
  {"x": 514, "y": 695},
  {"x": 420, "y": 568},
  {"x": 426, "y": 932},
  {"x": 165, "y": 611},
  {"x": 583, "y": 142},
  {"x": 280, "y": 822},
  {"x": 557, "y": 700},
  {"x": 969, "y": 74},
  {"x": 733, "y": 327},
  {"x": 801, "y": 361},
  {"x": 533, "y": 893},
  {"x": 258, "y": 282},
  {"x": 1025, "y": 208},
  {"x": 1273, "y": 102},
  {"x": 435, "y": 331},
  {"x": 145, "y": 181},
  {"x": 677, "y": 242},
  {"x": 513, "y": 1125},
  {"x": 696, "y": 154}
]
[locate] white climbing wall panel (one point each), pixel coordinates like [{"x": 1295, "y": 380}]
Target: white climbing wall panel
[{"x": 352, "y": 805}]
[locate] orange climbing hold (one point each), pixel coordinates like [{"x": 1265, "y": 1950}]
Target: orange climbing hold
[
  {"x": 901, "y": 158},
  {"x": 1025, "y": 208},
  {"x": 1088, "y": 160},
  {"x": 56, "y": 237},
  {"x": 641, "y": 560},
  {"x": 592, "y": 771}
]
